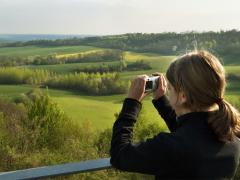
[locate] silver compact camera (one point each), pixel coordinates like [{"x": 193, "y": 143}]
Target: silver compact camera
[{"x": 152, "y": 83}]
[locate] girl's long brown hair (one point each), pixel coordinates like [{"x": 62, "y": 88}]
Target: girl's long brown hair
[{"x": 201, "y": 77}]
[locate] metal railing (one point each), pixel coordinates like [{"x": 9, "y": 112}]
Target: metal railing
[{"x": 57, "y": 170}]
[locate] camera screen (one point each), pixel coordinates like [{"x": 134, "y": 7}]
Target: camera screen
[{"x": 149, "y": 85}]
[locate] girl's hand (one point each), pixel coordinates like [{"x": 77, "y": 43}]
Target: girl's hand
[
  {"x": 137, "y": 88},
  {"x": 162, "y": 86}
]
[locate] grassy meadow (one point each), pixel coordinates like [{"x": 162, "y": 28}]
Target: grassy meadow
[
  {"x": 98, "y": 110},
  {"x": 157, "y": 62},
  {"x": 66, "y": 68},
  {"x": 44, "y": 51}
]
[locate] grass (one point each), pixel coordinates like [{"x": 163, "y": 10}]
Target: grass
[
  {"x": 13, "y": 91},
  {"x": 157, "y": 62},
  {"x": 43, "y": 51},
  {"x": 66, "y": 68},
  {"x": 99, "y": 110},
  {"x": 233, "y": 69},
  {"x": 233, "y": 87},
  {"x": 76, "y": 54},
  {"x": 233, "y": 93}
]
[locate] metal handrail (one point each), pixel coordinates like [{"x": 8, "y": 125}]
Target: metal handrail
[{"x": 57, "y": 170}]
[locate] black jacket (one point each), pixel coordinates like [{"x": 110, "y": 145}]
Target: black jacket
[{"x": 190, "y": 151}]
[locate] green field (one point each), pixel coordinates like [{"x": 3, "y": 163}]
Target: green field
[
  {"x": 157, "y": 62},
  {"x": 67, "y": 68},
  {"x": 100, "y": 110},
  {"x": 233, "y": 69},
  {"x": 43, "y": 51}
]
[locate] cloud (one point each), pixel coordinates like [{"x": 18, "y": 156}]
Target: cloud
[{"x": 116, "y": 16}]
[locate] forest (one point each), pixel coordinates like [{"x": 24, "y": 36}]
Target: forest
[{"x": 225, "y": 44}]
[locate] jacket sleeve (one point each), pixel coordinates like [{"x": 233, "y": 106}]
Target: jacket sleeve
[
  {"x": 167, "y": 112},
  {"x": 155, "y": 156}
]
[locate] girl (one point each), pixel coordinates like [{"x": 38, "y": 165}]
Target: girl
[{"x": 204, "y": 128}]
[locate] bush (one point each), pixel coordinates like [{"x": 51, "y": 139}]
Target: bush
[
  {"x": 45, "y": 121},
  {"x": 36, "y": 132},
  {"x": 23, "y": 76}
]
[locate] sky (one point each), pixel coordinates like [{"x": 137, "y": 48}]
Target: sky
[{"x": 104, "y": 17}]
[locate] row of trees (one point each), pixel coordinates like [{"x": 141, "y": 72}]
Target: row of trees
[
  {"x": 91, "y": 83},
  {"x": 225, "y": 44},
  {"x": 24, "y": 76},
  {"x": 97, "y": 56},
  {"x": 117, "y": 67},
  {"x": 94, "y": 84}
]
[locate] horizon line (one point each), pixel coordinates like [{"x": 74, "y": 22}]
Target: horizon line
[{"x": 108, "y": 34}]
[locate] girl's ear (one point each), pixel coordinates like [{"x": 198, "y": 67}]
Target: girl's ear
[{"x": 182, "y": 98}]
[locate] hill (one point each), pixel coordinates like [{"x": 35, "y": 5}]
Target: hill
[{"x": 225, "y": 44}]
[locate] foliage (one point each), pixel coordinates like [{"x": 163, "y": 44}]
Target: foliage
[
  {"x": 233, "y": 77},
  {"x": 224, "y": 43},
  {"x": 96, "y": 84},
  {"x": 35, "y": 132},
  {"x": 119, "y": 67},
  {"x": 144, "y": 128},
  {"x": 91, "y": 56},
  {"x": 138, "y": 65},
  {"x": 103, "y": 68},
  {"x": 23, "y": 76}
]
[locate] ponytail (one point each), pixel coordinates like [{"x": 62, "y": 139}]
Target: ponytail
[
  {"x": 201, "y": 77},
  {"x": 225, "y": 122}
]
